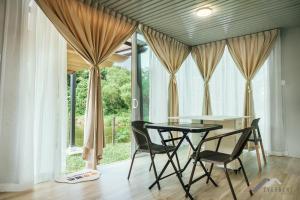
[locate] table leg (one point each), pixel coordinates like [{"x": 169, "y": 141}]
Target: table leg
[
  {"x": 178, "y": 173},
  {"x": 190, "y": 159},
  {"x": 168, "y": 162},
  {"x": 178, "y": 163}
]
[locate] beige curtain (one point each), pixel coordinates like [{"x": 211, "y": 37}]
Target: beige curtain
[
  {"x": 207, "y": 56},
  {"x": 249, "y": 53},
  {"x": 171, "y": 54},
  {"x": 95, "y": 33}
]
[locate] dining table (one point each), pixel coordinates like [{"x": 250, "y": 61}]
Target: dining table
[
  {"x": 229, "y": 123},
  {"x": 185, "y": 129}
]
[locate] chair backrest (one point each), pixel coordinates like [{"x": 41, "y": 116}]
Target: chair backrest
[
  {"x": 255, "y": 126},
  {"x": 255, "y": 123},
  {"x": 240, "y": 145},
  {"x": 140, "y": 133}
]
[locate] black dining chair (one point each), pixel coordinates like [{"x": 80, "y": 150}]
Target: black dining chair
[
  {"x": 256, "y": 138},
  {"x": 145, "y": 145},
  {"x": 215, "y": 157}
]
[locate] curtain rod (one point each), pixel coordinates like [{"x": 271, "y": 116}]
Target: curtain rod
[
  {"x": 237, "y": 36},
  {"x": 138, "y": 23},
  {"x": 139, "y": 28}
]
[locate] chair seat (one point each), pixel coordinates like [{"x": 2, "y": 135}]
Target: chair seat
[
  {"x": 157, "y": 149},
  {"x": 212, "y": 156}
]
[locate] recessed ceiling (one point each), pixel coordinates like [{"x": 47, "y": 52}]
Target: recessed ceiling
[{"x": 229, "y": 18}]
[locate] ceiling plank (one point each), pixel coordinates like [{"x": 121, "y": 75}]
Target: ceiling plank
[{"x": 177, "y": 18}]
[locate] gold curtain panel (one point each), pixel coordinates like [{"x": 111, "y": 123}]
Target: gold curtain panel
[
  {"x": 171, "y": 54},
  {"x": 207, "y": 56},
  {"x": 77, "y": 63},
  {"x": 95, "y": 33},
  {"x": 249, "y": 52}
]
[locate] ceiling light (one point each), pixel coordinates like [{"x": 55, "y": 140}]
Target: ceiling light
[{"x": 204, "y": 12}]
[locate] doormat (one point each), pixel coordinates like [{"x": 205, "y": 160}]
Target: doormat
[{"x": 81, "y": 176}]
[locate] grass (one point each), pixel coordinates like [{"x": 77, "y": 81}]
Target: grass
[
  {"x": 78, "y": 136},
  {"x": 107, "y": 130},
  {"x": 112, "y": 153},
  {"x": 74, "y": 163}
]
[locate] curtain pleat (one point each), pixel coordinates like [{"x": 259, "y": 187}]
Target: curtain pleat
[
  {"x": 171, "y": 54},
  {"x": 33, "y": 93},
  {"x": 249, "y": 52},
  {"x": 95, "y": 33},
  {"x": 207, "y": 56}
]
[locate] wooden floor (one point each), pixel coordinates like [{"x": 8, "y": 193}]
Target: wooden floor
[{"x": 113, "y": 183}]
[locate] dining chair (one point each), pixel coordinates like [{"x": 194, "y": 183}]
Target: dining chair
[
  {"x": 256, "y": 138},
  {"x": 215, "y": 157},
  {"x": 145, "y": 145}
]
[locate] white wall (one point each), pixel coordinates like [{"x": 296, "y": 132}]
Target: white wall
[{"x": 291, "y": 90}]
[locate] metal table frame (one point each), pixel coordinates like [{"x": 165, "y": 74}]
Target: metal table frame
[{"x": 185, "y": 129}]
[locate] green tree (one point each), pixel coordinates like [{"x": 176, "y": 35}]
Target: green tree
[
  {"x": 116, "y": 90},
  {"x": 145, "y": 90},
  {"x": 82, "y": 78}
]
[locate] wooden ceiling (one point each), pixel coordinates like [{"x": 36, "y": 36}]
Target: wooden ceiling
[{"x": 230, "y": 18}]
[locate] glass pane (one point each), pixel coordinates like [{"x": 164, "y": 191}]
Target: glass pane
[
  {"x": 116, "y": 99},
  {"x": 116, "y": 95},
  {"x": 143, "y": 52}
]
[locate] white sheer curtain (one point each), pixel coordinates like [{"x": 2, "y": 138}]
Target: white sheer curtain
[
  {"x": 268, "y": 102},
  {"x": 158, "y": 93},
  {"x": 190, "y": 89},
  {"x": 227, "y": 96},
  {"x": 227, "y": 88},
  {"x": 190, "y": 92},
  {"x": 261, "y": 96},
  {"x": 33, "y": 98}
]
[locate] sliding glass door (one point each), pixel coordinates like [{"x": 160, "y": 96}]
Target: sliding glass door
[
  {"x": 116, "y": 98},
  {"x": 139, "y": 80}
]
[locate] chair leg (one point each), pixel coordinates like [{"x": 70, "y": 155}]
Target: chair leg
[
  {"x": 205, "y": 171},
  {"x": 131, "y": 164},
  {"x": 209, "y": 173},
  {"x": 150, "y": 167},
  {"x": 151, "y": 164},
  {"x": 155, "y": 172},
  {"x": 245, "y": 176},
  {"x": 258, "y": 156},
  {"x": 229, "y": 182},
  {"x": 263, "y": 151}
]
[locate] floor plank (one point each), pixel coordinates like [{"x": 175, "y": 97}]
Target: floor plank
[{"x": 113, "y": 183}]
